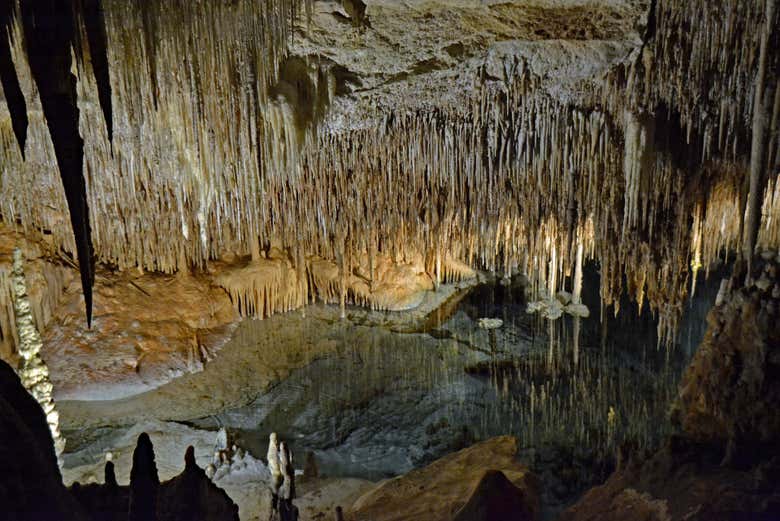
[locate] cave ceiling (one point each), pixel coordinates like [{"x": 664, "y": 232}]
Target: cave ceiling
[{"x": 509, "y": 136}]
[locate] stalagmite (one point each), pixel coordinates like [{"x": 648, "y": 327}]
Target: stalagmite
[
  {"x": 32, "y": 370},
  {"x": 275, "y": 470},
  {"x": 144, "y": 482}
]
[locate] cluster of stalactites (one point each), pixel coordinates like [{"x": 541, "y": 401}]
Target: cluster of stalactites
[
  {"x": 191, "y": 127},
  {"x": 32, "y": 369},
  {"x": 273, "y": 282},
  {"x": 221, "y": 162},
  {"x": 697, "y": 70}
]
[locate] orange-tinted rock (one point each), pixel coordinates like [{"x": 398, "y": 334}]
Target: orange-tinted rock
[{"x": 147, "y": 329}]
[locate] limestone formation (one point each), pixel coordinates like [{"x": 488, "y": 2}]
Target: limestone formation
[
  {"x": 507, "y": 137},
  {"x": 730, "y": 391},
  {"x": 33, "y": 370},
  {"x": 275, "y": 470}
]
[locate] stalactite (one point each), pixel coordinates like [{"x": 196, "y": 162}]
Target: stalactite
[
  {"x": 32, "y": 370},
  {"x": 762, "y": 99},
  {"x": 228, "y": 147},
  {"x": 49, "y": 34},
  {"x": 9, "y": 80}
]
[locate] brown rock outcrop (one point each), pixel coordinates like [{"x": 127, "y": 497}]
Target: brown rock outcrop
[
  {"x": 683, "y": 481},
  {"x": 731, "y": 390},
  {"x": 438, "y": 491}
]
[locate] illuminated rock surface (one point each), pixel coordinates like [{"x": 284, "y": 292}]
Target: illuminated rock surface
[{"x": 342, "y": 170}]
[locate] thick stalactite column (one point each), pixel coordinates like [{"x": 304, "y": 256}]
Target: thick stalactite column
[
  {"x": 14, "y": 98},
  {"x": 49, "y": 33},
  {"x": 762, "y": 101}
]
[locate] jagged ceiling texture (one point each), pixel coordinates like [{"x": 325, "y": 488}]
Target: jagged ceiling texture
[{"x": 503, "y": 134}]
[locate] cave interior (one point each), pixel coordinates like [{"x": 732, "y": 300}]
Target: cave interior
[{"x": 383, "y": 260}]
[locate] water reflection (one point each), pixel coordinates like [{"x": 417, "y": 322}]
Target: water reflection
[{"x": 385, "y": 402}]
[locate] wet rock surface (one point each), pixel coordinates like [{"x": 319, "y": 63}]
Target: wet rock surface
[
  {"x": 380, "y": 394},
  {"x": 147, "y": 330}
]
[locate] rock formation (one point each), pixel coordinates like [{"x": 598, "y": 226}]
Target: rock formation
[
  {"x": 495, "y": 499},
  {"x": 724, "y": 462},
  {"x": 507, "y": 136},
  {"x": 189, "y": 496},
  {"x": 282, "y": 480},
  {"x": 144, "y": 482},
  {"x": 731, "y": 390},
  {"x": 443, "y": 488},
  {"x": 268, "y": 154},
  {"x": 33, "y": 370}
]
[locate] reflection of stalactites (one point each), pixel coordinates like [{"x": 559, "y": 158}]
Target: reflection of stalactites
[{"x": 33, "y": 371}]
